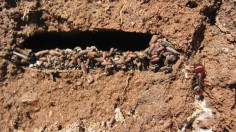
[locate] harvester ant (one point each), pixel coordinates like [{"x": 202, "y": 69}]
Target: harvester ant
[
  {"x": 200, "y": 71},
  {"x": 198, "y": 86},
  {"x": 198, "y": 80}
]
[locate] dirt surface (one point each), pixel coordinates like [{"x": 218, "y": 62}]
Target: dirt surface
[{"x": 49, "y": 100}]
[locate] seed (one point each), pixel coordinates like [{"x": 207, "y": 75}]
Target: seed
[
  {"x": 68, "y": 56},
  {"x": 84, "y": 69},
  {"x": 155, "y": 60},
  {"x": 61, "y": 58},
  {"x": 54, "y": 52},
  {"x": 40, "y": 53},
  {"x": 119, "y": 66},
  {"x": 53, "y": 58},
  {"x": 20, "y": 55},
  {"x": 170, "y": 58},
  {"x": 15, "y": 59},
  {"x": 105, "y": 63},
  {"x": 166, "y": 53},
  {"x": 151, "y": 47},
  {"x": 24, "y": 62},
  {"x": 78, "y": 62},
  {"x": 43, "y": 58},
  {"x": 46, "y": 64},
  {"x": 23, "y": 51},
  {"x": 166, "y": 44},
  {"x": 92, "y": 48},
  {"x": 139, "y": 64},
  {"x": 101, "y": 59},
  {"x": 153, "y": 39},
  {"x": 141, "y": 55},
  {"x": 91, "y": 54},
  {"x": 66, "y": 64},
  {"x": 132, "y": 55},
  {"x": 58, "y": 67},
  {"x": 146, "y": 50},
  {"x": 172, "y": 50},
  {"x": 104, "y": 54},
  {"x": 77, "y": 48},
  {"x": 87, "y": 63},
  {"x": 73, "y": 61},
  {"x": 39, "y": 63},
  {"x": 127, "y": 60},
  {"x": 120, "y": 61},
  {"x": 166, "y": 69},
  {"x": 157, "y": 49},
  {"x": 68, "y": 51},
  {"x": 111, "y": 51},
  {"x": 154, "y": 56},
  {"x": 81, "y": 53}
]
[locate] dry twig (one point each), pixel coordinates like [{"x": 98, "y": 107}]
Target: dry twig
[{"x": 124, "y": 90}]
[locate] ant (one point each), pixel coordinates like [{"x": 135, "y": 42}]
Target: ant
[{"x": 199, "y": 79}]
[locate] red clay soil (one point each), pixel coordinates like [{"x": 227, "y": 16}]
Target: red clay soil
[{"x": 48, "y": 100}]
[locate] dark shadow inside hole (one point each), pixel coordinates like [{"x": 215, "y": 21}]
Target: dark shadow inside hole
[
  {"x": 11, "y": 4},
  {"x": 211, "y": 11},
  {"x": 103, "y": 40},
  {"x": 191, "y": 4}
]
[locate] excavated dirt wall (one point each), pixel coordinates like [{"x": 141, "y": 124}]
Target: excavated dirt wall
[
  {"x": 49, "y": 100},
  {"x": 26, "y": 18}
]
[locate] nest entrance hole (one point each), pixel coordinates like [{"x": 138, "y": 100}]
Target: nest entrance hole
[{"x": 103, "y": 40}]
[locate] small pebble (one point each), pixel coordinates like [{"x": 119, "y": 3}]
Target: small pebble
[
  {"x": 225, "y": 50},
  {"x": 132, "y": 110}
]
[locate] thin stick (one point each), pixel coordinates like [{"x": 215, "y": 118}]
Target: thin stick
[
  {"x": 233, "y": 106},
  {"x": 121, "y": 12},
  {"x": 121, "y": 18},
  {"x": 175, "y": 122},
  {"x": 20, "y": 55},
  {"x": 124, "y": 90}
]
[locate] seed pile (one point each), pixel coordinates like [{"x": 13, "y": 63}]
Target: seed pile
[{"x": 159, "y": 56}]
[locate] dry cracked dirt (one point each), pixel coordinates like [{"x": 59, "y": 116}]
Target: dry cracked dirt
[{"x": 202, "y": 31}]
